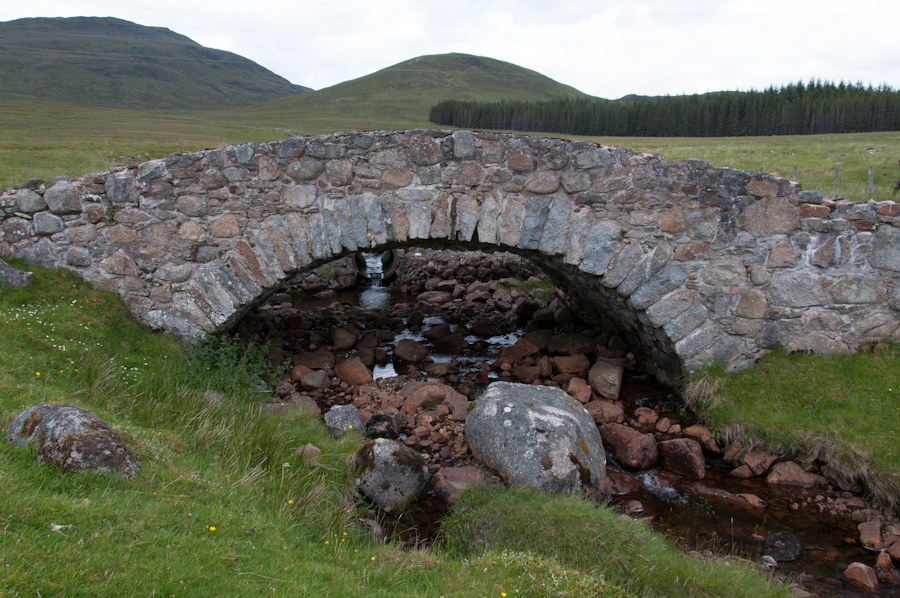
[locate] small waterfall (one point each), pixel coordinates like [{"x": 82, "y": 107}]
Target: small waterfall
[{"x": 374, "y": 268}]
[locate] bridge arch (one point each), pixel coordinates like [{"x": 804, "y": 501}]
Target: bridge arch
[{"x": 691, "y": 263}]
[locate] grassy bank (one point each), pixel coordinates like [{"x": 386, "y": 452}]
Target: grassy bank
[
  {"x": 224, "y": 506},
  {"x": 843, "y": 410}
]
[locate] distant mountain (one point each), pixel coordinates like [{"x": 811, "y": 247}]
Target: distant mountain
[
  {"x": 401, "y": 95},
  {"x": 113, "y": 63}
]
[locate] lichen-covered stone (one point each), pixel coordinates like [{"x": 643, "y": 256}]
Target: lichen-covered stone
[
  {"x": 537, "y": 437},
  {"x": 390, "y": 474},
  {"x": 73, "y": 438}
]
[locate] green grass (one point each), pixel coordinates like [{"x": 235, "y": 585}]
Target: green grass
[
  {"x": 843, "y": 410},
  {"x": 223, "y": 506},
  {"x": 621, "y": 550}
]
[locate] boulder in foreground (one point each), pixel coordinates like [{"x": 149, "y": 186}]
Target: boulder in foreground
[
  {"x": 73, "y": 438},
  {"x": 537, "y": 437}
]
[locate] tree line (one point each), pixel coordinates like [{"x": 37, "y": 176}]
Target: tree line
[{"x": 800, "y": 108}]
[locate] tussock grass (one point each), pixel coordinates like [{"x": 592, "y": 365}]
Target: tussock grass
[
  {"x": 223, "y": 506},
  {"x": 843, "y": 410},
  {"x": 595, "y": 541}
]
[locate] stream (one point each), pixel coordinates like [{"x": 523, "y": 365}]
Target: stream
[{"x": 707, "y": 516}]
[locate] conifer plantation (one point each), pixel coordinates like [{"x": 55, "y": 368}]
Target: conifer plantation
[{"x": 812, "y": 108}]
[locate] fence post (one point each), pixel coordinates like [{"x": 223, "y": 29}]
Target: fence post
[
  {"x": 837, "y": 177},
  {"x": 794, "y": 178},
  {"x": 871, "y": 181}
]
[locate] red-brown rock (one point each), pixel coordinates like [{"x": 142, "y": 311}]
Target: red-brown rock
[
  {"x": 605, "y": 413},
  {"x": 449, "y": 482},
  {"x": 410, "y": 350},
  {"x": 789, "y": 473},
  {"x": 571, "y": 364},
  {"x": 683, "y": 456},
  {"x": 870, "y": 535},
  {"x": 606, "y": 379},
  {"x": 630, "y": 448},
  {"x": 885, "y": 571},
  {"x": 353, "y": 371},
  {"x": 862, "y": 577},
  {"x": 315, "y": 360}
]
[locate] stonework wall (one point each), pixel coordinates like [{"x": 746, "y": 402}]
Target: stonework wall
[{"x": 692, "y": 263}]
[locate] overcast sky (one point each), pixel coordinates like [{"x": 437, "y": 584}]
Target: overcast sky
[{"x": 606, "y": 48}]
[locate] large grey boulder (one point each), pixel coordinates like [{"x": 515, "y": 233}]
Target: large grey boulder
[
  {"x": 73, "y": 438},
  {"x": 390, "y": 474},
  {"x": 537, "y": 437}
]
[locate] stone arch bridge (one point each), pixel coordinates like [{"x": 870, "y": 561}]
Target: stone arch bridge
[{"x": 690, "y": 263}]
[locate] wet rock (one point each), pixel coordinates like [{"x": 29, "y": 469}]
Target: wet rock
[
  {"x": 743, "y": 472},
  {"x": 410, "y": 350},
  {"x": 605, "y": 413},
  {"x": 453, "y": 344},
  {"x": 580, "y": 390},
  {"x": 524, "y": 308},
  {"x": 436, "y": 332},
  {"x": 606, "y": 379},
  {"x": 298, "y": 371},
  {"x": 783, "y": 546},
  {"x": 630, "y": 448},
  {"x": 885, "y": 571},
  {"x": 526, "y": 373},
  {"x": 520, "y": 350},
  {"x": 344, "y": 419},
  {"x": 683, "y": 456},
  {"x": 435, "y": 297},
  {"x": 789, "y": 473},
  {"x": 570, "y": 343},
  {"x": 415, "y": 318},
  {"x": 353, "y": 371},
  {"x": 449, "y": 482},
  {"x": 702, "y": 435},
  {"x": 620, "y": 483},
  {"x": 870, "y": 535},
  {"x": 439, "y": 370},
  {"x": 315, "y": 360},
  {"x": 571, "y": 364},
  {"x": 390, "y": 474},
  {"x": 385, "y": 424},
  {"x": 73, "y": 438},
  {"x": 645, "y": 419},
  {"x": 752, "y": 500},
  {"x": 343, "y": 339},
  {"x": 633, "y": 507},
  {"x": 894, "y": 551},
  {"x": 861, "y": 577},
  {"x": 537, "y": 437},
  {"x": 758, "y": 461},
  {"x": 12, "y": 278}
]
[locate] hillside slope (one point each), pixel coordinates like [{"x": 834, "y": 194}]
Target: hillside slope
[
  {"x": 401, "y": 95},
  {"x": 113, "y": 63}
]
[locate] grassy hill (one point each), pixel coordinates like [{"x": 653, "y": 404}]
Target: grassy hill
[
  {"x": 400, "y": 96},
  {"x": 118, "y": 64}
]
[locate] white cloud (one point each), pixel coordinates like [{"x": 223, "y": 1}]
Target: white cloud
[{"x": 606, "y": 48}]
